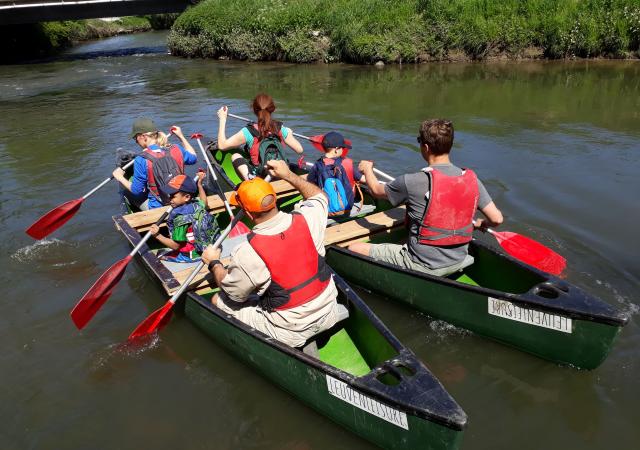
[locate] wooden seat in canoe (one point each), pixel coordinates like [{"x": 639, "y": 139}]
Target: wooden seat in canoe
[
  {"x": 142, "y": 220},
  {"x": 342, "y": 235}
]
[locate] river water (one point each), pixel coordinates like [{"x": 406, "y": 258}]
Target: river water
[{"x": 556, "y": 144}]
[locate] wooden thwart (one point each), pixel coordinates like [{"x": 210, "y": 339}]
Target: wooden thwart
[
  {"x": 142, "y": 220},
  {"x": 343, "y": 234}
]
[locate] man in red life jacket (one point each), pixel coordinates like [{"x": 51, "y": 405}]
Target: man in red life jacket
[
  {"x": 441, "y": 201},
  {"x": 282, "y": 262}
]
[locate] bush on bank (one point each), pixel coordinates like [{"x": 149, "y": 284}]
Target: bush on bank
[{"x": 366, "y": 31}]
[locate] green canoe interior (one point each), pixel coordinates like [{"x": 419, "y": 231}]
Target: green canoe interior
[
  {"x": 489, "y": 269},
  {"x": 353, "y": 345}
]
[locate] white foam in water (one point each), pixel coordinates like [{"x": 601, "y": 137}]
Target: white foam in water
[
  {"x": 39, "y": 250},
  {"x": 124, "y": 350},
  {"x": 630, "y": 308},
  {"x": 444, "y": 329}
]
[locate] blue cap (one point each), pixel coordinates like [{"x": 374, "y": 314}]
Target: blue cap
[{"x": 334, "y": 139}]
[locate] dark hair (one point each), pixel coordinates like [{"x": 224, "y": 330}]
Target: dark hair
[
  {"x": 263, "y": 107},
  {"x": 438, "y": 135}
]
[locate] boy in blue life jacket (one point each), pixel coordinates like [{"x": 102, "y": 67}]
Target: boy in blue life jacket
[
  {"x": 336, "y": 175},
  {"x": 191, "y": 227}
]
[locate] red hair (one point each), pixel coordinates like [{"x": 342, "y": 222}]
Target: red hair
[{"x": 263, "y": 107}]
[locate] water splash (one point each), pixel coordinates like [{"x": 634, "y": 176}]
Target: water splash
[
  {"x": 44, "y": 249},
  {"x": 629, "y": 307},
  {"x": 444, "y": 329},
  {"x": 121, "y": 352}
]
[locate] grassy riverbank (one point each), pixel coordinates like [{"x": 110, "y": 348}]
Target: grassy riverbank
[
  {"x": 367, "y": 31},
  {"x": 42, "y": 39}
]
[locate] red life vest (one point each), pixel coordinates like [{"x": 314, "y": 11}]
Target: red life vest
[
  {"x": 254, "y": 151},
  {"x": 451, "y": 204},
  {"x": 162, "y": 166},
  {"x": 298, "y": 273}
]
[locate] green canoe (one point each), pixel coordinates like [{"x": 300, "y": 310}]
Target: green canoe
[
  {"x": 357, "y": 373},
  {"x": 497, "y": 296}
]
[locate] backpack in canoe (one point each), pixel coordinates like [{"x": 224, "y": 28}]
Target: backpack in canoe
[{"x": 335, "y": 177}]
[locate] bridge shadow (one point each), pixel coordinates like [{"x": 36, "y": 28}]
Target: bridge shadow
[{"x": 150, "y": 50}]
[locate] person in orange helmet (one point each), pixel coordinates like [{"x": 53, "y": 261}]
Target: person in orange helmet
[{"x": 282, "y": 262}]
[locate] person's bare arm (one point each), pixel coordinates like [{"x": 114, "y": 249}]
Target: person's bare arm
[
  {"x": 493, "y": 217},
  {"x": 183, "y": 140},
  {"x": 167, "y": 242},
  {"x": 292, "y": 142},
  {"x": 376, "y": 188},
  {"x": 280, "y": 169},
  {"x": 234, "y": 141},
  {"x": 202, "y": 195},
  {"x": 218, "y": 271},
  {"x": 118, "y": 174}
]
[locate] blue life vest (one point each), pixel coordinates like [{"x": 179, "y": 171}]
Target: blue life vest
[{"x": 334, "y": 179}]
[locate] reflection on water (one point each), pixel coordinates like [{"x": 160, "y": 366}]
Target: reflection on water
[{"x": 555, "y": 143}]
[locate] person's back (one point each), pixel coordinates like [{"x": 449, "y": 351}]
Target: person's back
[
  {"x": 264, "y": 140},
  {"x": 441, "y": 201},
  {"x": 411, "y": 190},
  {"x": 158, "y": 163},
  {"x": 336, "y": 175},
  {"x": 282, "y": 263}
]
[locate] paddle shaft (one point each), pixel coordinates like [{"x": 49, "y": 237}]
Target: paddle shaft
[
  {"x": 216, "y": 244},
  {"x": 125, "y": 167},
  {"x": 215, "y": 178},
  {"x": 148, "y": 235},
  {"x": 198, "y": 267}
]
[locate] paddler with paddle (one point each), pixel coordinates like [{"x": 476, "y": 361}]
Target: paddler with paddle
[
  {"x": 158, "y": 163},
  {"x": 441, "y": 201},
  {"x": 277, "y": 282},
  {"x": 264, "y": 139}
]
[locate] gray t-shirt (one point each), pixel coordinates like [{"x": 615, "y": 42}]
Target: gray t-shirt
[{"x": 410, "y": 189}]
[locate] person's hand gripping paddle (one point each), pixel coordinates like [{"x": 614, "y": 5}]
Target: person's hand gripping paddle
[
  {"x": 240, "y": 227},
  {"x": 523, "y": 248},
  {"x": 61, "y": 214}
]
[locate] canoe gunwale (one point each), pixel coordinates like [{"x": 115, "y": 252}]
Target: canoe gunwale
[
  {"x": 148, "y": 257},
  {"x": 368, "y": 383},
  {"x": 527, "y": 299}
]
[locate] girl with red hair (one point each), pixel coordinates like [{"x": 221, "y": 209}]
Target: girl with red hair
[{"x": 253, "y": 134}]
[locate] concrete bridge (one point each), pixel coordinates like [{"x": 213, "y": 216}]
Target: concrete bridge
[{"x": 32, "y": 11}]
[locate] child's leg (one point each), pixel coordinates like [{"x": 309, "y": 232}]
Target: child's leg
[{"x": 240, "y": 165}]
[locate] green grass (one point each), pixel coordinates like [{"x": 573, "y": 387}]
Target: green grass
[{"x": 366, "y": 31}]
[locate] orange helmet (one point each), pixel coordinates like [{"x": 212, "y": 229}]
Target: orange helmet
[{"x": 251, "y": 193}]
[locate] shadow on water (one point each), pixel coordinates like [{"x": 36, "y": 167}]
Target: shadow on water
[{"x": 136, "y": 51}]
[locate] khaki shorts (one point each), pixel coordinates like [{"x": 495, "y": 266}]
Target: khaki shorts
[
  {"x": 253, "y": 315},
  {"x": 399, "y": 255}
]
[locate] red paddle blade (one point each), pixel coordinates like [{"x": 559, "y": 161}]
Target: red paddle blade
[
  {"x": 239, "y": 230},
  {"x": 531, "y": 252},
  {"x": 101, "y": 290},
  {"x": 155, "y": 322},
  {"x": 54, "y": 219},
  {"x": 316, "y": 141}
]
